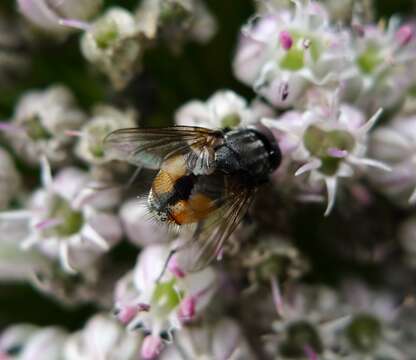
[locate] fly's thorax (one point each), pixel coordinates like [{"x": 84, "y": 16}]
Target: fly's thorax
[{"x": 250, "y": 153}]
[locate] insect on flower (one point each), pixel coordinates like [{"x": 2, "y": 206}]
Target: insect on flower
[{"x": 206, "y": 178}]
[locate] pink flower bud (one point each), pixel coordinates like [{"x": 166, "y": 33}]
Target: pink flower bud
[
  {"x": 174, "y": 268},
  {"x": 285, "y": 40},
  {"x": 337, "y": 153},
  {"x": 127, "y": 313},
  {"x": 152, "y": 346},
  {"x": 404, "y": 35},
  {"x": 187, "y": 307}
]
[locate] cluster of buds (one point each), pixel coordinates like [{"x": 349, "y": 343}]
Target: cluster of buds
[
  {"x": 39, "y": 124},
  {"x": 158, "y": 300},
  {"x": 223, "y": 110},
  {"x": 63, "y": 223},
  {"x": 329, "y": 141},
  {"x": 329, "y": 88}
]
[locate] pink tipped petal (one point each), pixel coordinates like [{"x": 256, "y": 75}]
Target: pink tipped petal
[
  {"x": 174, "y": 267},
  {"x": 127, "y": 313},
  {"x": 331, "y": 188},
  {"x": 277, "y": 296},
  {"x": 75, "y": 24},
  {"x": 73, "y": 133},
  {"x": 152, "y": 346},
  {"x": 47, "y": 224},
  {"x": 310, "y": 353},
  {"x": 310, "y": 166},
  {"x": 187, "y": 308},
  {"x": 11, "y": 128},
  {"x": 337, "y": 153},
  {"x": 404, "y": 35},
  {"x": 285, "y": 40}
]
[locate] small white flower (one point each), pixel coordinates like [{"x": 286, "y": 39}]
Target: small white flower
[
  {"x": 310, "y": 319},
  {"x": 281, "y": 53},
  {"x": 329, "y": 142},
  {"x": 27, "y": 342},
  {"x": 222, "y": 340},
  {"x": 113, "y": 44},
  {"x": 368, "y": 332},
  {"x": 224, "y": 109},
  {"x": 105, "y": 119},
  {"x": 159, "y": 306},
  {"x": 102, "y": 338},
  {"x": 383, "y": 66},
  {"x": 64, "y": 226},
  {"x": 39, "y": 123}
]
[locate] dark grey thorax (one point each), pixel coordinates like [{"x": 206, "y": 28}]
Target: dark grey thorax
[{"x": 250, "y": 153}]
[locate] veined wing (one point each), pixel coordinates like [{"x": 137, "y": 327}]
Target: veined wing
[
  {"x": 149, "y": 147},
  {"x": 211, "y": 234}
]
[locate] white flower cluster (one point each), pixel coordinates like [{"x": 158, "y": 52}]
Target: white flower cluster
[{"x": 336, "y": 93}]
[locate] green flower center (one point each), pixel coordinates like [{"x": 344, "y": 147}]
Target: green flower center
[
  {"x": 364, "y": 332},
  {"x": 369, "y": 60},
  {"x": 35, "y": 130},
  {"x": 172, "y": 12},
  {"x": 165, "y": 297},
  {"x": 294, "y": 59},
  {"x": 319, "y": 142},
  {"x": 230, "y": 121},
  {"x": 301, "y": 335},
  {"x": 275, "y": 265},
  {"x": 105, "y": 33},
  {"x": 96, "y": 135},
  {"x": 72, "y": 220}
]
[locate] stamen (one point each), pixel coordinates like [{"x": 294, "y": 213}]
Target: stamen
[
  {"x": 174, "y": 268},
  {"x": 277, "y": 296},
  {"x": 285, "y": 40},
  {"x": 337, "y": 153},
  {"x": 11, "y": 128},
  {"x": 310, "y": 353},
  {"x": 187, "y": 308},
  {"x": 73, "y": 133},
  {"x": 404, "y": 35},
  {"x": 75, "y": 24},
  {"x": 48, "y": 223},
  {"x": 152, "y": 346}
]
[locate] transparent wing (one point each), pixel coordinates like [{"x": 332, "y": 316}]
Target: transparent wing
[
  {"x": 211, "y": 234},
  {"x": 149, "y": 147}
]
